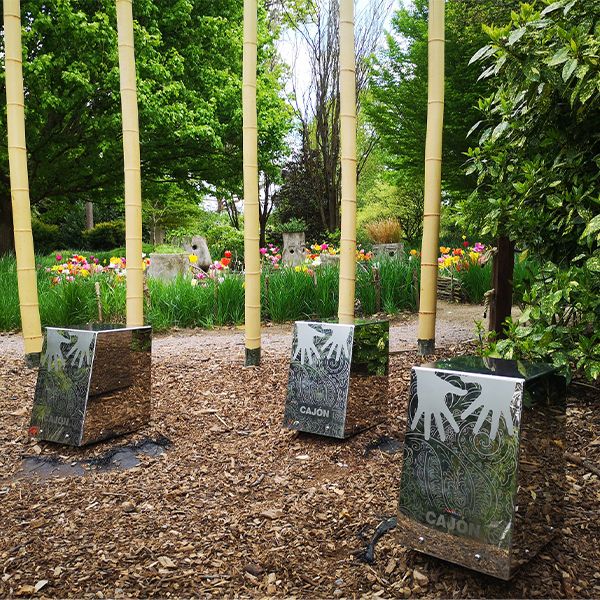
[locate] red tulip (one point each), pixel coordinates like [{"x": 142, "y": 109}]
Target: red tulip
[{"x": 227, "y": 254}]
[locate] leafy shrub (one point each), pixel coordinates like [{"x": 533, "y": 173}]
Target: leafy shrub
[
  {"x": 46, "y": 237},
  {"x": 105, "y": 236},
  {"x": 293, "y": 225},
  {"x": 559, "y": 322},
  {"x": 221, "y": 236}
]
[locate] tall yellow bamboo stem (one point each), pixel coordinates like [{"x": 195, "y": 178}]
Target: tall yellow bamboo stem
[
  {"x": 251, "y": 214},
  {"x": 19, "y": 180},
  {"x": 348, "y": 162},
  {"x": 131, "y": 158},
  {"x": 433, "y": 178}
]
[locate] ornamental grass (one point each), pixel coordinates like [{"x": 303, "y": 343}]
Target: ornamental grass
[{"x": 386, "y": 231}]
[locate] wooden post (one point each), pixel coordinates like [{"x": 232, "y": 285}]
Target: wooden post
[
  {"x": 377, "y": 284},
  {"x": 19, "y": 181},
  {"x": 433, "y": 178},
  {"x": 131, "y": 159},
  {"x": 502, "y": 284},
  {"x": 348, "y": 163},
  {"x": 251, "y": 207}
]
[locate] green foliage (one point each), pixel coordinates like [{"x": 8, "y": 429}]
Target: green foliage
[
  {"x": 559, "y": 323},
  {"x": 46, "y": 237},
  {"x": 286, "y": 295},
  {"x": 475, "y": 281},
  {"x": 104, "y": 236},
  {"x": 302, "y": 193},
  {"x": 221, "y": 236},
  {"x": 166, "y": 249},
  {"x": 397, "y": 104},
  {"x": 293, "y": 225},
  {"x": 370, "y": 351},
  {"x": 10, "y": 319},
  {"x": 166, "y": 207},
  {"x": 189, "y": 68},
  {"x": 402, "y": 201},
  {"x": 398, "y": 280},
  {"x": 537, "y": 165}
]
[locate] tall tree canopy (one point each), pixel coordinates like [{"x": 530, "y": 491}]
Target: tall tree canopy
[
  {"x": 188, "y": 59},
  {"x": 397, "y": 104}
]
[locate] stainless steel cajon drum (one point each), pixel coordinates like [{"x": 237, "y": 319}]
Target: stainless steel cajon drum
[
  {"x": 93, "y": 383},
  {"x": 338, "y": 377},
  {"x": 483, "y": 474}
]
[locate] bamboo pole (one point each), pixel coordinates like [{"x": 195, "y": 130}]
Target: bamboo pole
[
  {"x": 19, "y": 180},
  {"x": 348, "y": 163},
  {"x": 251, "y": 208},
  {"x": 433, "y": 178},
  {"x": 131, "y": 158}
]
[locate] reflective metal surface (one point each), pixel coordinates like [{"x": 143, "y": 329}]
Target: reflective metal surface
[
  {"x": 92, "y": 384},
  {"x": 483, "y": 473},
  {"x": 338, "y": 382}
]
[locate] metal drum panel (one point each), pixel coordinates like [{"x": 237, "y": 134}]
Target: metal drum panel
[
  {"x": 319, "y": 377},
  {"x": 368, "y": 393},
  {"x": 92, "y": 383},
  {"x": 539, "y": 509},
  {"x": 462, "y": 494},
  {"x": 119, "y": 399},
  {"x": 337, "y": 382}
]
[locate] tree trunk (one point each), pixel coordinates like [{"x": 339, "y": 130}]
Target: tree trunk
[
  {"x": 7, "y": 239},
  {"x": 157, "y": 235},
  {"x": 89, "y": 215},
  {"x": 502, "y": 284}
]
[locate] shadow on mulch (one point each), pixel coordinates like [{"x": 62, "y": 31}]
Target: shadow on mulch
[{"x": 121, "y": 457}]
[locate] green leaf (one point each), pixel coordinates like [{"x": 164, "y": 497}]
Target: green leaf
[
  {"x": 592, "y": 227},
  {"x": 593, "y": 264},
  {"x": 559, "y": 57},
  {"x": 482, "y": 53},
  {"x": 516, "y": 35},
  {"x": 499, "y": 130},
  {"x": 568, "y": 68},
  {"x": 552, "y": 7}
]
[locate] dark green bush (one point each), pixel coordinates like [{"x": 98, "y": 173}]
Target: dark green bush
[
  {"x": 221, "y": 236},
  {"x": 46, "y": 237},
  {"x": 105, "y": 236}
]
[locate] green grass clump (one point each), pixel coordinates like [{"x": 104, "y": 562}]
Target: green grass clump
[
  {"x": 10, "y": 318},
  {"x": 475, "y": 281},
  {"x": 287, "y": 295}
]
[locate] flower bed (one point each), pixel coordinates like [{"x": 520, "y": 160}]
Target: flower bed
[{"x": 80, "y": 266}]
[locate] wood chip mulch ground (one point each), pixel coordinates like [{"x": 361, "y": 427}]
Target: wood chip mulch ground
[{"x": 237, "y": 506}]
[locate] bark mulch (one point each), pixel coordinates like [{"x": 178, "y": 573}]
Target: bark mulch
[{"x": 237, "y": 506}]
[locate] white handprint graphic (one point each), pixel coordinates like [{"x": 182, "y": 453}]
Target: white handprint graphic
[
  {"x": 338, "y": 343},
  {"x": 431, "y": 394},
  {"x": 496, "y": 396},
  {"x": 81, "y": 351},
  {"x": 53, "y": 357},
  {"x": 306, "y": 343}
]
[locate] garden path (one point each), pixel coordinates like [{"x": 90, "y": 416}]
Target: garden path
[{"x": 455, "y": 324}]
